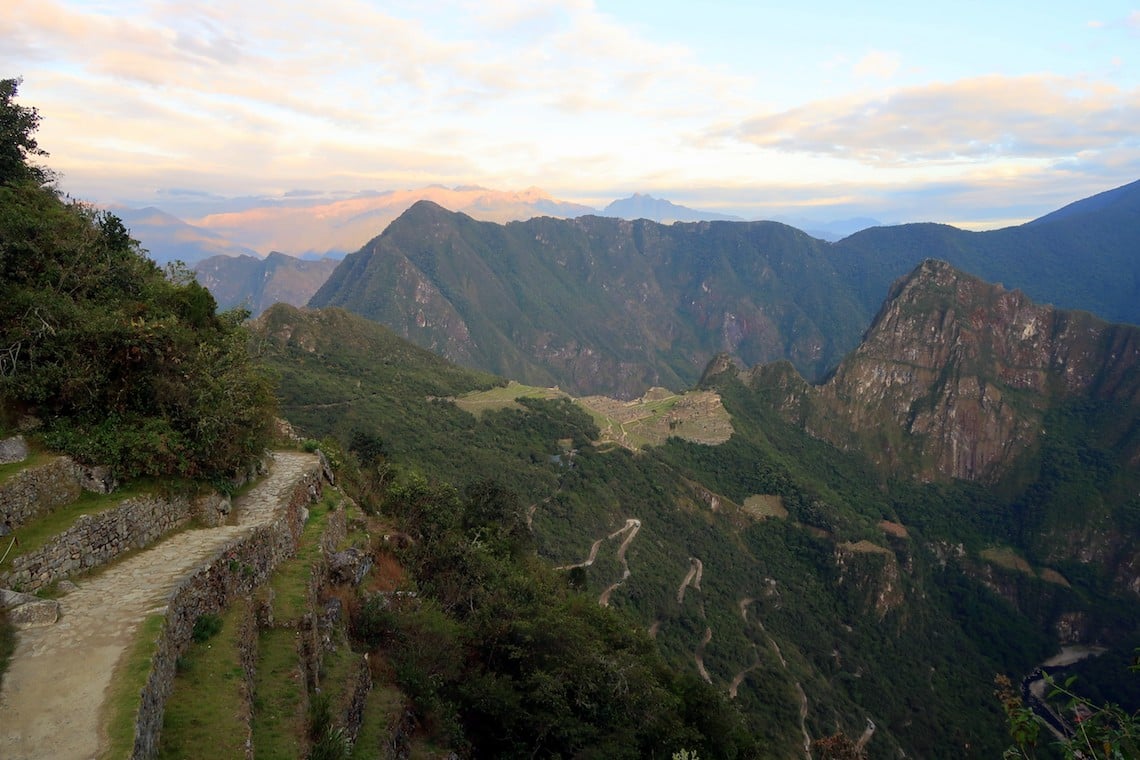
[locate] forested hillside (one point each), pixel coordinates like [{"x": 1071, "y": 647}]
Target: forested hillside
[
  {"x": 771, "y": 566},
  {"x": 109, "y": 357},
  {"x": 608, "y": 306}
]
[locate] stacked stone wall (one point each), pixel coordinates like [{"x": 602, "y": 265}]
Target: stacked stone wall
[
  {"x": 38, "y": 490},
  {"x": 238, "y": 568},
  {"x": 94, "y": 540}
]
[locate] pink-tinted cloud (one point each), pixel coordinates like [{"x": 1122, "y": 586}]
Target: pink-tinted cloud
[{"x": 969, "y": 120}]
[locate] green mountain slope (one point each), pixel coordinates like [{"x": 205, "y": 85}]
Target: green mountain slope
[
  {"x": 599, "y": 304},
  {"x": 871, "y": 597}
]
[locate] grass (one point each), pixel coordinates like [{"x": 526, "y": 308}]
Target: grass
[
  {"x": 7, "y": 643},
  {"x": 210, "y": 667},
  {"x": 696, "y": 416},
  {"x": 125, "y": 693},
  {"x": 384, "y": 706},
  {"x": 1007, "y": 558},
  {"x": 290, "y": 583},
  {"x": 35, "y": 459},
  {"x": 766, "y": 505},
  {"x": 278, "y": 698},
  {"x": 37, "y": 533},
  {"x": 504, "y": 397}
]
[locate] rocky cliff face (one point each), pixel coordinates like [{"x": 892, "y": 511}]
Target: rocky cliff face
[{"x": 955, "y": 375}]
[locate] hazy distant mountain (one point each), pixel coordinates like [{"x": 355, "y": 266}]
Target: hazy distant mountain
[
  {"x": 342, "y": 226},
  {"x": 638, "y": 206},
  {"x": 835, "y": 230},
  {"x": 167, "y": 238},
  {"x": 1083, "y": 256},
  {"x": 257, "y": 283}
]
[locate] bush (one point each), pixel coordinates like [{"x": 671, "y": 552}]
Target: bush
[{"x": 206, "y": 627}]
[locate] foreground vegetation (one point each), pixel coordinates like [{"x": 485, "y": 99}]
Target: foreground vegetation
[
  {"x": 815, "y": 622},
  {"x": 121, "y": 363}
]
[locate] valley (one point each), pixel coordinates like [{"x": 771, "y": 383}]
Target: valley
[{"x": 592, "y": 487}]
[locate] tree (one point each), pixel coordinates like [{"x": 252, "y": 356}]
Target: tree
[{"x": 17, "y": 126}]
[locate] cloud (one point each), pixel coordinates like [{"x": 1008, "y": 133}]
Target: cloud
[
  {"x": 970, "y": 120},
  {"x": 877, "y": 65}
]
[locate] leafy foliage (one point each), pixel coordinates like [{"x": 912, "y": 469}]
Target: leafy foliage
[
  {"x": 125, "y": 365},
  {"x": 1099, "y": 730},
  {"x": 17, "y": 141},
  {"x": 463, "y": 486},
  {"x": 498, "y": 654}
]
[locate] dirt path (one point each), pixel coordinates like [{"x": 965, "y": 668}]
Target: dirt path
[
  {"x": 699, "y": 656},
  {"x": 868, "y": 732},
  {"x": 803, "y": 720},
  {"x": 632, "y": 526},
  {"x": 54, "y": 689},
  {"x": 696, "y": 569},
  {"x": 738, "y": 679},
  {"x": 799, "y": 689}
]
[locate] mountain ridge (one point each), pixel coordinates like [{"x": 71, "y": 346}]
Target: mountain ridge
[
  {"x": 595, "y": 303},
  {"x": 651, "y": 304},
  {"x": 973, "y": 390}
]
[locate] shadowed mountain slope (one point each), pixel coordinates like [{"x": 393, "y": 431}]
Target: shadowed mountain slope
[
  {"x": 597, "y": 304},
  {"x": 600, "y": 305},
  {"x": 956, "y": 376},
  {"x": 256, "y": 283}
]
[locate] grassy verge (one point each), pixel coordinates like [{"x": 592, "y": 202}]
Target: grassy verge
[
  {"x": 126, "y": 689},
  {"x": 213, "y": 667},
  {"x": 278, "y": 698},
  {"x": 35, "y": 459},
  {"x": 7, "y": 643},
  {"x": 290, "y": 583},
  {"x": 381, "y": 711},
  {"x": 35, "y": 534}
]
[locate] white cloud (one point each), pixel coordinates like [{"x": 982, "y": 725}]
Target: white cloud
[{"x": 877, "y": 65}]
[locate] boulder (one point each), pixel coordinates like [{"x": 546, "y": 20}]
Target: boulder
[
  {"x": 349, "y": 566},
  {"x": 27, "y": 611}
]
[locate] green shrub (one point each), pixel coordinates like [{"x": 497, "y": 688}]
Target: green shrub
[{"x": 206, "y": 627}]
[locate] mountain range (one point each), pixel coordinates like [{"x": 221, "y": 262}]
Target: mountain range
[
  {"x": 314, "y": 226},
  {"x": 605, "y": 305},
  {"x": 956, "y": 500}
]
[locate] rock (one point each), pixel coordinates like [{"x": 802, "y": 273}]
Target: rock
[
  {"x": 97, "y": 479},
  {"x": 212, "y": 509},
  {"x": 349, "y": 566},
  {"x": 27, "y": 611},
  {"x": 66, "y": 587},
  {"x": 326, "y": 468},
  {"x": 14, "y": 449}
]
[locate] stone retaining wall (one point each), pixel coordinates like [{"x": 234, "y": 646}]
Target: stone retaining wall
[
  {"x": 240, "y": 566},
  {"x": 95, "y": 540},
  {"x": 39, "y": 490},
  {"x": 247, "y": 651}
]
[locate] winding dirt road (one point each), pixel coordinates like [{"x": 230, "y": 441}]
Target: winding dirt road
[
  {"x": 699, "y": 656},
  {"x": 53, "y": 694},
  {"x": 632, "y": 526},
  {"x": 696, "y": 569},
  {"x": 744, "y": 603}
]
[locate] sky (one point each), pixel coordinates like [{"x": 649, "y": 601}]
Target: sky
[{"x": 979, "y": 114}]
